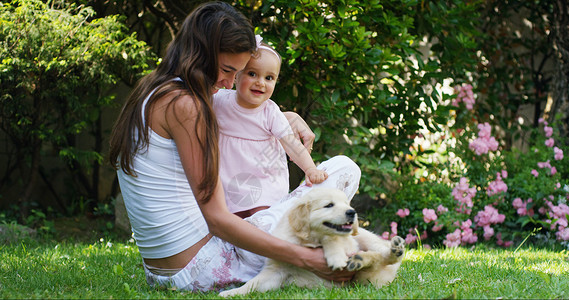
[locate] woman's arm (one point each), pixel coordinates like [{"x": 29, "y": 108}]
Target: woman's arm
[{"x": 222, "y": 223}]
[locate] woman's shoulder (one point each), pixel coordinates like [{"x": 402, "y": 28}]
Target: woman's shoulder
[
  {"x": 178, "y": 101},
  {"x": 177, "y": 106}
]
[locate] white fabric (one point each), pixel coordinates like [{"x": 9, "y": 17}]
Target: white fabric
[{"x": 162, "y": 209}]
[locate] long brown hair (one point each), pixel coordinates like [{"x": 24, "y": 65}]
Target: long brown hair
[{"x": 212, "y": 28}]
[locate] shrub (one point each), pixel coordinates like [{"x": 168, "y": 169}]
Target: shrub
[
  {"x": 57, "y": 65},
  {"x": 481, "y": 193}
]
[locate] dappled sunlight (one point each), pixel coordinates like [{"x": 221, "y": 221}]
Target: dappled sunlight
[
  {"x": 527, "y": 260},
  {"x": 481, "y": 273}
]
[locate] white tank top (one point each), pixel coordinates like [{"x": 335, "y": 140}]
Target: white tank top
[{"x": 163, "y": 212}]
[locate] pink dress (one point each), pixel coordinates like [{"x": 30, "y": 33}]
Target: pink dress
[{"x": 253, "y": 166}]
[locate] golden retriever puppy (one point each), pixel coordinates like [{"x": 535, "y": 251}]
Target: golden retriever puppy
[{"x": 324, "y": 218}]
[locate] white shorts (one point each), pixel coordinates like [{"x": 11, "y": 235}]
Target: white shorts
[{"x": 219, "y": 264}]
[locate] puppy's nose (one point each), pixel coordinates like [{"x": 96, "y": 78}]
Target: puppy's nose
[{"x": 350, "y": 213}]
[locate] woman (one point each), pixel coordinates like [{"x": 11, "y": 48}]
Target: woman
[{"x": 164, "y": 146}]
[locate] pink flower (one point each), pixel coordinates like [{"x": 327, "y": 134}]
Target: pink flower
[
  {"x": 394, "y": 228},
  {"x": 521, "y": 207},
  {"x": 534, "y": 173},
  {"x": 563, "y": 235},
  {"x": 558, "y": 153},
  {"x": 468, "y": 236},
  {"x": 402, "y": 212},
  {"x": 497, "y": 186},
  {"x": 560, "y": 211},
  {"x": 464, "y": 194},
  {"x": 488, "y": 232},
  {"x": 500, "y": 242},
  {"x": 464, "y": 94},
  {"x": 561, "y": 223},
  {"x": 484, "y": 130},
  {"x": 386, "y": 235},
  {"x": 410, "y": 238},
  {"x": 437, "y": 227},
  {"x": 453, "y": 239},
  {"x": 488, "y": 216},
  {"x": 485, "y": 141},
  {"x": 548, "y": 131},
  {"x": 553, "y": 170},
  {"x": 549, "y": 142},
  {"x": 466, "y": 224},
  {"x": 558, "y": 215},
  {"x": 441, "y": 209},
  {"x": 542, "y": 165},
  {"x": 429, "y": 215},
  {"x": 478, "y": 146}
]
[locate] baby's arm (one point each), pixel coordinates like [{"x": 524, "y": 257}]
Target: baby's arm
[{"x": 300, "y": 156}]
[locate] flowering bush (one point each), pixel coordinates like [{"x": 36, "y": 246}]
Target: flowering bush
[{"x": 488, "y": 194}]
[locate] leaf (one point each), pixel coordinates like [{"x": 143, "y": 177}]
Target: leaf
[{"x": 117, "y": 269}]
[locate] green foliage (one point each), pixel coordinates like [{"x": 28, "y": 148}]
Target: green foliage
[
  {"x": 38, "y": 219},
  {"x": 357, "y": 72},
  {"x": 57, "y": 64}
]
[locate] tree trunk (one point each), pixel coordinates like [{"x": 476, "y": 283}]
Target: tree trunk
[{"x": 560, "y": 31}]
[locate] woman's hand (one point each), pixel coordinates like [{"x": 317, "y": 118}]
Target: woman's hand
[
  {"x": 316, "y": 263},
  {"x": 300, "y": 129}
]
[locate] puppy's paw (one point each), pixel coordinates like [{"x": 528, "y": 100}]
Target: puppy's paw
[
  {"x": 337, "y": 262},
  {"x": 232, "y": 292},
  {"x": 355, "y": 263},
  {"x": 397, "y": 246}
]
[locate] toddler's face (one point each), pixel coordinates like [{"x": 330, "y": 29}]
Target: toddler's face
[{"x": 256, "y": 83}]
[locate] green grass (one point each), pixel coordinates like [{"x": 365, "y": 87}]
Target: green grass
[{"x": 106, "y": 269}]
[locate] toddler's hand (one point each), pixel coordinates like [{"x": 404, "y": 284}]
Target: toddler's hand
[{"x": 314, "y": 175}]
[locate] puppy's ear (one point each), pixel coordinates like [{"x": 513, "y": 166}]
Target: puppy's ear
[
  {"x": 355, "y": 226},
  {"x": 298, "y": 219}
]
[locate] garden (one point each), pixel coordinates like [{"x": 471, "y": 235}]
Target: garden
[{"x": 457, "y": 113}]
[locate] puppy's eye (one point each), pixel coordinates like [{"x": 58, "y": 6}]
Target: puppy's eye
[{"x": 329, "y": 205}]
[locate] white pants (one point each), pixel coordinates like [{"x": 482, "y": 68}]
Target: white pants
[{"x": 219, "y": 264}]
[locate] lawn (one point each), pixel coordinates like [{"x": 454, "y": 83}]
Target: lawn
[{"x": 108, "y": 269}]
